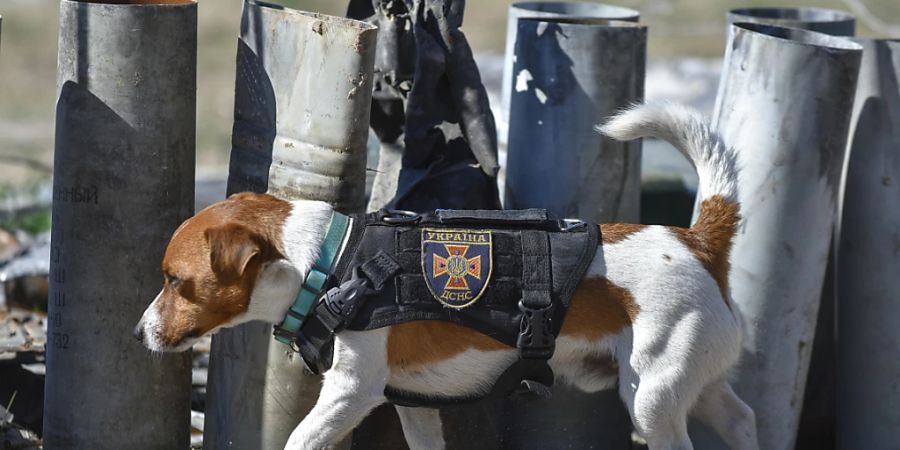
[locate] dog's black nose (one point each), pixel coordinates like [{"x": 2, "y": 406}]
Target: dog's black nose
[{"x": 138, "y": 332}]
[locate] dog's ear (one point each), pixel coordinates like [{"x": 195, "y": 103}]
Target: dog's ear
[{"x": 231, "y": 248}]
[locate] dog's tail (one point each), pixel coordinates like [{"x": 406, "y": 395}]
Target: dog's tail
[
  {"x": 690, "y": 133},
  {"x": 715, "y": 162}
]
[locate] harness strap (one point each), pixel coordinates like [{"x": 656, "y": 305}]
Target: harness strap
[
  {"x": 338, "y": 307},
  {"x": 536, "y": 333},
  {"x": 312, "y": 286},
  {"x": 380, "y": 269},
  {"x": 522, "y": 377}
]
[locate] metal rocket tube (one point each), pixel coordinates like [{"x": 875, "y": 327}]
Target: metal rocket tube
[{"x": 301, "y": 118}]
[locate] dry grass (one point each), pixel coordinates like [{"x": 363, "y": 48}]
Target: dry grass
[{"x": 29, "y": 40}]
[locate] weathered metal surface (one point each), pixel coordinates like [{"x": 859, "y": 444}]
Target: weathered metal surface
[
  {"x": 431, "y": 112},
  {"x": 818, "y": 410},
  {"x": 828, "y": 21},
  {"x": 784, "y": 103},
  {"x": 301, "y": 134},
  {"x": 571, "y": 74},
  {"x": 523, "y": 10},
  {"x": 868, "y": 259},
  {"x": 302, "y": 99},
  {"x": 123, "y": 182}
]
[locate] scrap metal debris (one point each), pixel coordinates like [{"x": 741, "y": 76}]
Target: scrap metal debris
[
  {"x": 24, "y": 266},
  {"x": 21, "y": 331},
  {"x": 15, "y": 437}
]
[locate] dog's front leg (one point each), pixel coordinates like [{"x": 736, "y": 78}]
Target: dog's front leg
[
  {"x": 422, "y": 428},
  {"x": 351, "y": 389}
]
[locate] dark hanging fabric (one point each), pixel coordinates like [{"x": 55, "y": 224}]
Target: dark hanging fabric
[{"x": 429, "y": 109}]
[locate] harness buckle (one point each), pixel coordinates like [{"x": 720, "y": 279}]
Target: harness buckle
[
  {"x": 536, "y": 340},
  {"x": 342, "y": 300}
]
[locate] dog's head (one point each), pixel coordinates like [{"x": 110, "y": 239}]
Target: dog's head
[{"x": 211, "y": 267}]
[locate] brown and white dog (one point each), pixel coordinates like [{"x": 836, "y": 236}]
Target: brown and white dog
[{"x": 655, "y": 300}]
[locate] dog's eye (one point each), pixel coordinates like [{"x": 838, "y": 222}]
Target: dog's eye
[{"x": 172, "y": 279}]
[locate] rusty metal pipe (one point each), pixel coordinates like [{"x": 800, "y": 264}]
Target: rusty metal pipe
[{"x": 301, "y": 117}]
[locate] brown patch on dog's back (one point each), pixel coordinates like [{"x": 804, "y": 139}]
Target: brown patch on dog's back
[
  {"x": 710, "y": 238},
  {"x": 412, "y": 345},
  {"x": 599, "y": 308},
  {"x": 616, "y": 232}
]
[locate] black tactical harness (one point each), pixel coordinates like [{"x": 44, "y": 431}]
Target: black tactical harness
[{"x": 535, "y": 265}]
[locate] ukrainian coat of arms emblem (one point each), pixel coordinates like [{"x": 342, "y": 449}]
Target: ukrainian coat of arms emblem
[{"x": 456, "y": 264}]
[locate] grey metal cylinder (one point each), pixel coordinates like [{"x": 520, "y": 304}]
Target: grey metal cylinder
[
  {"x": 784, "y": 104},
  {"x": 302, "y": 98},
  {"x": 571, "y": 74},
  {"x": 123, "y": 182},
  {"x": 868, "y": 260},
  {"x": 818, "y": 401},
  {"x": 822, "y": 20},
  {"x": 550, "y": 10}
]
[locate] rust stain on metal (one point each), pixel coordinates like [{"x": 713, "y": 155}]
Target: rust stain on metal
[
  {"x": 358, "y": 43},
  {"x": 318, "y": 27}
]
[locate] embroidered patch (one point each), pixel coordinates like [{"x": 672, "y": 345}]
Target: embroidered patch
[{"x": 456, "y": 264}]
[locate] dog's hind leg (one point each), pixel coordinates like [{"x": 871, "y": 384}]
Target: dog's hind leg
[
  {"x": 658, "y": 384},
  {"x": 422, "y": 428},
  {"x": 660, "y": 416},
  {"x": 351, "y": 389},
  {"x": 721, "y": 409},
  {"x": 658, "y": 412}
]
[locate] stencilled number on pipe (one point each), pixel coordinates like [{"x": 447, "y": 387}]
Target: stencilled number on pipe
[
  {"x": 59, "y": 299},
  {"x": 61, "y": 341},
  {"x": 58, "y": 339}
]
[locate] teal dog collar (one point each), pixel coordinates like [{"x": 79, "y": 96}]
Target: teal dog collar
[{"x": 314, "y": 284}]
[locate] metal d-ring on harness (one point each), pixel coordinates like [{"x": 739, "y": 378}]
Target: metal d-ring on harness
[
  {"x": 400, "y": 217},
  {"x": 367, "y": 276}
]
